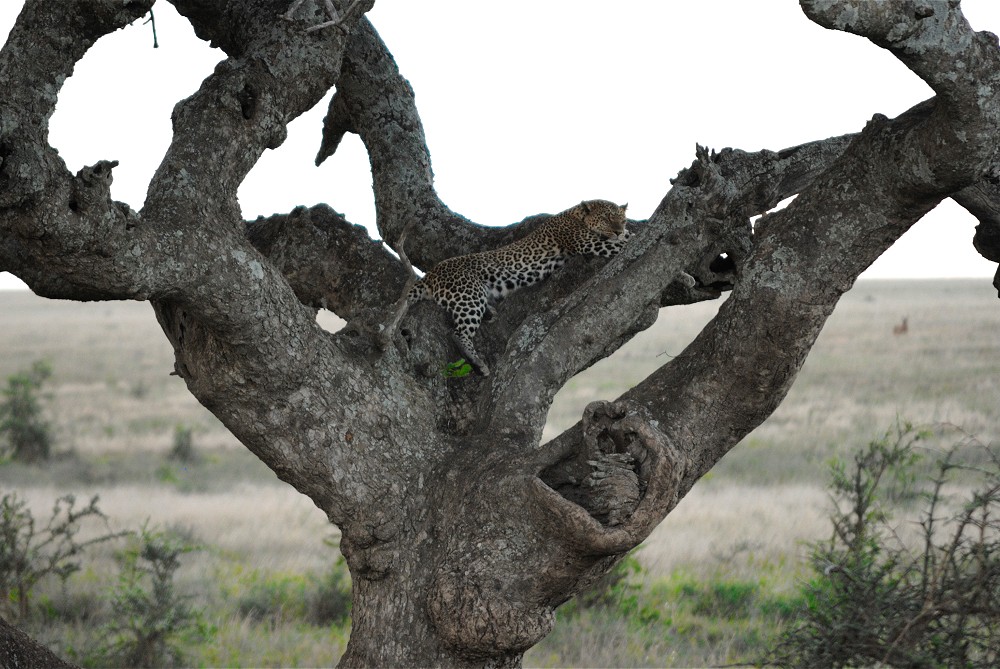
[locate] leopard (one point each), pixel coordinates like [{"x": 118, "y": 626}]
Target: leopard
[{"x": 469, "y": 286}]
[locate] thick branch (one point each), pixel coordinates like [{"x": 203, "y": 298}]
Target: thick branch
[
  {"x": 304, "y": 402},
  {"x": 62, "y": 234},
  {"x": 705, "y": 215},
  {"x": 982, "y": 200},
  {"x": 17, "y": 650},
  {"x": 760, "y": 180},
  {"x": 246, "y": 346},
  {"x": 934, "y": 40},
  {"x": 328, "y": 262},
  {"x": 804, "y": 257},
  {"x": 376, "y": 102},
  {"x": 225, "y": 296},
  {"x": 44, "y": 45}
]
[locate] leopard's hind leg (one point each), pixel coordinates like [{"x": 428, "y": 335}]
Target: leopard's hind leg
[{"x": 467, "y": 311}]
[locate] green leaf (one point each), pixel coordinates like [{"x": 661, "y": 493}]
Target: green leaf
[{"x": 458, "y": 369}]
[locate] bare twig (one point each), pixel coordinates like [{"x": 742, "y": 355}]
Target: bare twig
[
  {"x": 152, "y": 21},
  {"x": 402, "y": 304},
  {"x": 355, "y": 10}
]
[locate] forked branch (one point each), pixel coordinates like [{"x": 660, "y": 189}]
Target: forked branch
[
  {"x": 804, "y": 257},
  {"x": 402, "y": 304},
  {"x": 337, "y": 20}
]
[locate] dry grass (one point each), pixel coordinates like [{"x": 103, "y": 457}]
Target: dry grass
[
  {"x": 114, "y": 394},
  {"x": 283, "y": 531},
  {"x": 113, "y": 384},
  {"x": 734, "y": 527},
  {"x": 859, "y": 376},
  {"x": 116, "y": 406}
]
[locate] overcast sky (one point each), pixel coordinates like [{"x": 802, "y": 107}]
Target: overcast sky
[{"x": 532, "y": 105}]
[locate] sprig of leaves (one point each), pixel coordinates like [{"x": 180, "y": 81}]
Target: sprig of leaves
[{"x": 456, "y": 370}]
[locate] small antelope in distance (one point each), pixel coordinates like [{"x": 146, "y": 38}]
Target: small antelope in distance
[{"x": 902, "y": 328}]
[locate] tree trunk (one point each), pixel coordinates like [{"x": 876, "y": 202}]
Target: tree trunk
[
  {"x": 19, "y": 651},
  {"x": 462, "y": 530}
]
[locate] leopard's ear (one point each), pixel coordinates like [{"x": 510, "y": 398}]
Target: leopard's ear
[
  {"x": 624, "y": 206},
  {"x": 586, "y": 206}
]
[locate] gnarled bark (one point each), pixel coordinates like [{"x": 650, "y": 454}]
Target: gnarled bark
[
  {"x": 19, "y": 651},
  {"x": 463, "y": 531}
]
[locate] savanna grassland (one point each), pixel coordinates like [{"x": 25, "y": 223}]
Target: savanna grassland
[{"x": 712, "y": 585}]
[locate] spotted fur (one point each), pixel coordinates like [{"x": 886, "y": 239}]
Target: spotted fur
[{"x": 467, "y": 286}]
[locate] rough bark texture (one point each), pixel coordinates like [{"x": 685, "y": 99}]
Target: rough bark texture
[
  {"x": 19, "y": 651},
  {"x": 462, "y": 530}
]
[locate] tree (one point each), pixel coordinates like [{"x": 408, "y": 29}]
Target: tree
[{"x": 462, "y": 530}]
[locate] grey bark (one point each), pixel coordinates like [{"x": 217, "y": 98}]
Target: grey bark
[
  {"x": 462, "y": 530},
  {"x": 19, "y": 651}
]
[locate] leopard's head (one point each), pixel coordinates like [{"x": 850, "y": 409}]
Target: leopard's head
[{"x": 605, "y": 218}]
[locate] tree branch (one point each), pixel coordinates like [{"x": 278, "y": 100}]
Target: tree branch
[
  {"x": 376, "y": 102},
  {"x": 704, "y": 215},
  {"x": 982, "y": 200},
  {"x": 245, "y": 345},
  {"x": 804, "y": 257},
  {"x": 807, "y": 255},
  {"x": 328, "y": 262},
  {"x": 62, "y": 234},
  {"x": 17, "y": 649},
  {"x": 931, "y": 38}
]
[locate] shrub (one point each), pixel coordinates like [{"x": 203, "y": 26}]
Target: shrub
[
  {"x": 330, "y": 601},
  {"x": 272, "y": 597},
  {"x": 873, "y": 600},
  {"x": 726, "y": 598},
  {"x": 316, "y": 599},
  {"x": 28, "y": 436},
  {"x": 152, "y": 620},
  {"x": 183, "y": 445},
  {"x": 615, "y": 592},
  {"x": 29, "y": 553}
]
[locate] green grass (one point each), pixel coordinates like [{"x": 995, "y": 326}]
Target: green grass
[
  {"x": 253, "y": 617},
  {"x": 250, "y": 618},
  {"x": 679, "y": 620}
]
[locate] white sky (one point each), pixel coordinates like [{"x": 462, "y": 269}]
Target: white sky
[{"x": 532, "y": 105}]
